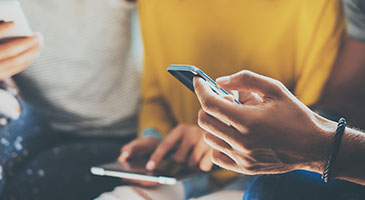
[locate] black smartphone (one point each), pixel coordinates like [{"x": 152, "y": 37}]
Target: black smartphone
[{"x": 186, "y": 73}]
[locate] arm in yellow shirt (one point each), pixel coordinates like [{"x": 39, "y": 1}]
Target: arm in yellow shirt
[{"x": 155, "y": 113}]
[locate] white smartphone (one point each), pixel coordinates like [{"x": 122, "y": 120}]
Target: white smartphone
[
  {"x": 167, "y": 173},
  {"x": 11, "y": 10}
]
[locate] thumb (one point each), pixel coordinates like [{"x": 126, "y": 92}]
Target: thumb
[{"x": 247, "y": 80}]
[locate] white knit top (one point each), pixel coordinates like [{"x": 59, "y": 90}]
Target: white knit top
[{"x": 87, "y": 78}]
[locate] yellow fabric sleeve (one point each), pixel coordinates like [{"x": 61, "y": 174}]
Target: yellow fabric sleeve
[
  {"x": 155, "y": 112},
  {"x": 315, "y": 65}
]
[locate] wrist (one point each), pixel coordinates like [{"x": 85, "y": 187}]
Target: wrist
[{"x": 326, "y": 130}]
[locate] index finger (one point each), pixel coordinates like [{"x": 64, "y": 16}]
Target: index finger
[
  {"x": 217, "y": 106},
  {"x": 19, "y": 45},
  {"x": 164, "y": 147}
]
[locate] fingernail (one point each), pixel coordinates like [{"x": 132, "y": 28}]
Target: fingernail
[
  {"x": 223, "y": 79},
  {"x": 124, "y": 155},
  {"x": 151, "y": 165}
]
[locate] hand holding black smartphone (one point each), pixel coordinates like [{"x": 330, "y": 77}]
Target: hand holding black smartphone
[{"x": 186, "y": 73}]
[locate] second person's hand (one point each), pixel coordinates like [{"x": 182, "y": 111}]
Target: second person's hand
[
  {"x": 16, "y": 54},
  {"x": 190, "y": 148}
]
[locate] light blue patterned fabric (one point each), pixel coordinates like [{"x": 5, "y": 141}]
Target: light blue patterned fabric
[{"x": 152, "y": 132}]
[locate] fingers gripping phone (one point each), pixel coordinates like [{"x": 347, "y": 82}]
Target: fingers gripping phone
[
  {"x": 11, "y": 10},
  {"x": 186, "y": 73}
]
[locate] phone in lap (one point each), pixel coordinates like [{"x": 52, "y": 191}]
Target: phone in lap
[
  {"x": 186, "y": 73},
  {"x": 11, "y": 10},
  {"x": 167, "y": 173}
]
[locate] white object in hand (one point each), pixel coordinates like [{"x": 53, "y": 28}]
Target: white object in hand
[
  {"x": 11, "y": 10},
  {"x": 9, "y": 105}
]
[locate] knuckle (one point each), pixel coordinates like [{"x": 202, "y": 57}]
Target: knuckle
[
  {"x": 251, "y": 169},
  {"x": 216, "y": 160},
  {"x": 245, "y": 74},
  {"x": 278, "y": 87},
  {"x": 248, "y": 168},
  {"x": 202, "y": 119},
  {"x": 247, "y": 171},
  {"x": 208, "y": 105}
]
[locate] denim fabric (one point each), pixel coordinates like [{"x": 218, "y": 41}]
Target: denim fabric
[
  {"x": 39, "y": 163},
  {"x": 301, "y": 185},
  {"x": 240, "y": 184},
  {"x": 63, "y": 172},
  {"x": 19, "y": 140},
  {"x": 197, "y": 186}
]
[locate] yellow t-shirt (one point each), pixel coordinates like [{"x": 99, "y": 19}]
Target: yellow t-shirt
[{"x": 294, "y": 41}]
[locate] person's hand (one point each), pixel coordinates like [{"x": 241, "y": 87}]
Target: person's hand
[
  {"x": 187, "y": 142},
  {"x": 17, "y": 53},
  {"x": 277, "y": 135},
  {"x": 139, "y": 148}
]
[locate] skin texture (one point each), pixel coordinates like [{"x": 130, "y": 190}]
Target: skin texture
[
  {"x": 185, "y": 141},
  {"x": 277, "y": 135}
]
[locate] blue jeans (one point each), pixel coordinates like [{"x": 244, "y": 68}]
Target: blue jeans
[
  {"x": 19, "y": 140},
  {"x": 37, "y": 162},
  {"x": 301, "y": 185}
]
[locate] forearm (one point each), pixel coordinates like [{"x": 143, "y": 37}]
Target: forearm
[{"x": 350, "y": 162}]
